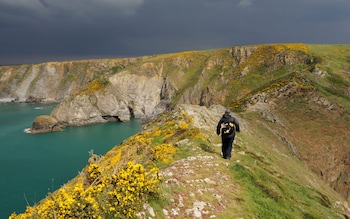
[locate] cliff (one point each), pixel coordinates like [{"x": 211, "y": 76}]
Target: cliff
[{"x": 293, "y": 100}]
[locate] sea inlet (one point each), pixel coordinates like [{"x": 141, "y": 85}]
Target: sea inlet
[{"x": 31, "y": 166}]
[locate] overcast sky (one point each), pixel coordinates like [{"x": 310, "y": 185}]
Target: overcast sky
[{"x": 34, "y": 31}]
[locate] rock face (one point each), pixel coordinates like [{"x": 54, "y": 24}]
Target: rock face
[{"x": 127, "y": 95}]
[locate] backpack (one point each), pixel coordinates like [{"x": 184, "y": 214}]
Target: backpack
[{"x": 227, "y": 128}]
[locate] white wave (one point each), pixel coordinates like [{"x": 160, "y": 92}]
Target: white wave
[
  {"x": 6, "y": 100},
  {"x": 27, "y": 130}
]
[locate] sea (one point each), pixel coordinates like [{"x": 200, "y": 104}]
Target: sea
[{"x": 31, "y": 166}]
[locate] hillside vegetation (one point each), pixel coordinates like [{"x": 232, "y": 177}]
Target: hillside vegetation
[{"x": 291, "y": 159}]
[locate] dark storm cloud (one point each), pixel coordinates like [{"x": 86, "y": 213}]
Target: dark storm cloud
[{"x": 49, "y": 30}]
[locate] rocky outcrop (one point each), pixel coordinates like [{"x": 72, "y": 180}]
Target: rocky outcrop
[
  {"x": 43, "y": 124},
  {"x": 240, "y": 54},
  {"x": 272, "y": 56}
]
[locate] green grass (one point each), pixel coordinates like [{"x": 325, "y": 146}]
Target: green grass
[
  {"x": 335, "y": 61},
  {"x": 273, "y": 183},
  {"x": 67, "y": 79},
  {"x": 335, "y": 57},
  {"x": 337, "y": 81},
  {"x": 273, "y": 194},
  {"x": 117, "y": 68}
]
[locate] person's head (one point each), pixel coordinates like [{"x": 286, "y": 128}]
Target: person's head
[{"x": 227, "y": 112}]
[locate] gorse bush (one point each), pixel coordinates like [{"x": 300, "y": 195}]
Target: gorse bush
[
  {"x": 163, "y": 152},
  {"x": 115, "y": 196},
  {"x": 130, "y": 187},
  {"x": 95, "y": 85}
]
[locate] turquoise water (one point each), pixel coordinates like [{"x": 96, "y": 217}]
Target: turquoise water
[{"x": 33, "y": 165}]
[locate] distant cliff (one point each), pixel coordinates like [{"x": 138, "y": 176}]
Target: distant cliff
[
  {"x": 300, "y": 94},
  {"x": 52, "y": 81}
]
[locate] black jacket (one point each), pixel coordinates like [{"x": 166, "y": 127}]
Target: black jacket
[{"x": 228, "y": 118}]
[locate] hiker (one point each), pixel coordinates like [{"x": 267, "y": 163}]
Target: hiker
[{"x": 227, "y": 126}]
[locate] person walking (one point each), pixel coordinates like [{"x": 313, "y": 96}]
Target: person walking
[{"x": 227, "y": 127}]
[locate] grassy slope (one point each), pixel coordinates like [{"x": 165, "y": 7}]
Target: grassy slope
[
  {"x": 319, "y": 118},
  {"x": 316, "y": 132},
  {"x": 277, "y": 184}
]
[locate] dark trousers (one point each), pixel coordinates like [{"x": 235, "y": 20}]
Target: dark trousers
[{"x": 227, "y": 147}]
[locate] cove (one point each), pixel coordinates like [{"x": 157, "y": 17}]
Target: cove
[{"x": 33, "y": 165}]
